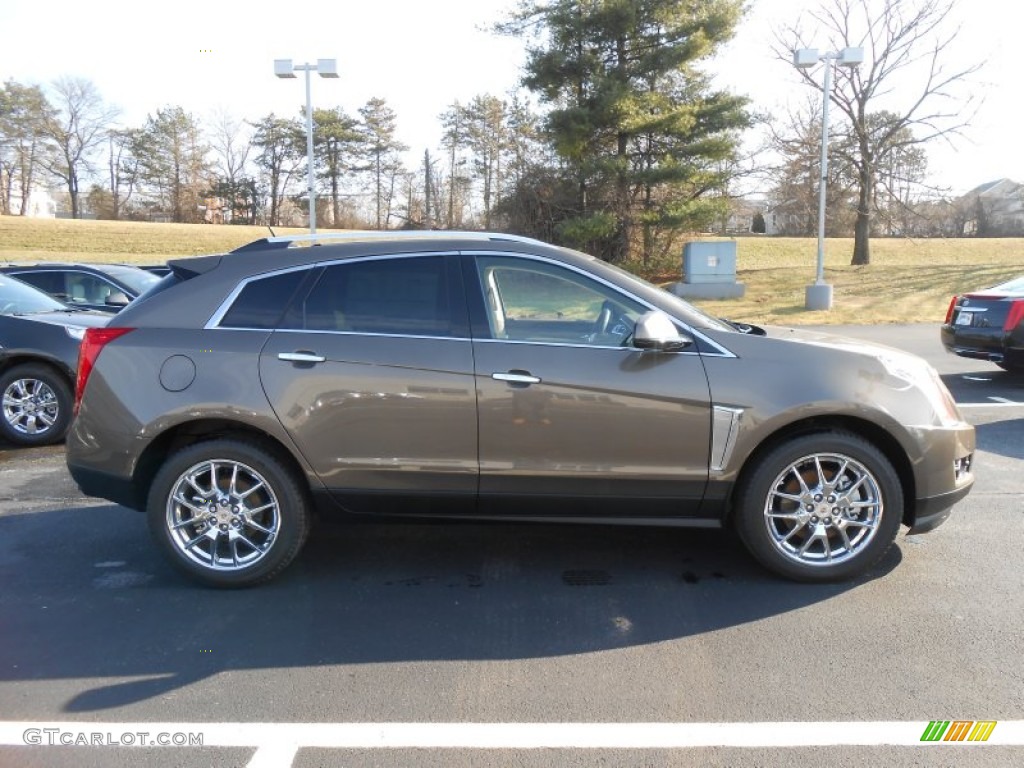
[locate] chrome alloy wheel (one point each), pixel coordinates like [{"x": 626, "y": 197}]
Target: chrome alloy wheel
[
  {"x": 823, "y": 509},
  {"x": 223, "y": 515},
  {"x": 30, "y": 406}
]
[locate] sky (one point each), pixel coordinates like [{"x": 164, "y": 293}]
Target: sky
[{"x": 423, "y": 55}]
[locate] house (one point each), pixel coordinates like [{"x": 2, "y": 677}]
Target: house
[
  {"x": 789, "y": 217},
  {"x": 41, "y": 204},
  {"x": 994, "y": 209},
  {"x": 745, "y": 215}
]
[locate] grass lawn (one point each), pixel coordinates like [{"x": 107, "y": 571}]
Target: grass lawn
[{"x": 908, "y": 280}]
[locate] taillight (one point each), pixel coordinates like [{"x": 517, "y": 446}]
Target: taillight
[
  {"x": 94, "y": 341},
  {"x": 949, "y": 312},
  {"x": 1015, "y": 315}
]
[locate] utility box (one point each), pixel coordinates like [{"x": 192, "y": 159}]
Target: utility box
[
  {"x": 709, "y": 262},
  {"x": 709, "y": 271}
]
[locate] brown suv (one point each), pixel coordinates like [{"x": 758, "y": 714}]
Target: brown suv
[{"x": 470, "y": 375}]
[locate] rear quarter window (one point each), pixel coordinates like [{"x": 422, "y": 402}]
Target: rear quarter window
[{"x": 262, "y": 301}]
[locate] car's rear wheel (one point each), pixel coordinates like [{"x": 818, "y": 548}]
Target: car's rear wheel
[
  {"x": 1011, "y": 367},
  {"x": 820, "y": 507},
  {"x": 36, "y": 406},
  {"x": 229, "y": 514}
]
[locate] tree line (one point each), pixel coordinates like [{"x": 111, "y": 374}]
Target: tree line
[{"x": 628, "y": 148}]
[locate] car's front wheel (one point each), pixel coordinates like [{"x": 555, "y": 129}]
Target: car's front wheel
[
  {"x": 36, "y": 405},
  {"x": 820, "y": 507},
  {"x": 228, "y": 514}
]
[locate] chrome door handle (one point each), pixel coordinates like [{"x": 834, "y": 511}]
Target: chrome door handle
[
  {"x": 516, "y": 378},
  {"x": 300, "y": 357}
]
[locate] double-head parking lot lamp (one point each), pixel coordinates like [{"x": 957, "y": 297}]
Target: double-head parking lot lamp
[{"x": 325, "y": 68}]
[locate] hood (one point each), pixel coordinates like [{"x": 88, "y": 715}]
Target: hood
[{"x": 836, "y": 341}]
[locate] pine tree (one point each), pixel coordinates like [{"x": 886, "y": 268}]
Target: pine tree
[{"x": 635, "y": 121}]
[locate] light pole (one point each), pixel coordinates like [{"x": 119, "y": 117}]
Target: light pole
[
  {"x": 325, "y": 68},
  {"x": 819, "y": 295}
]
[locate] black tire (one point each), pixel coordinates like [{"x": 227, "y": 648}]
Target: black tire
[
  {"x": 246, "y": 519},
  {"x": 1011, "y": 367},
  {"x": 819, "y": 525},
  {"x": 37, "y": 404}
]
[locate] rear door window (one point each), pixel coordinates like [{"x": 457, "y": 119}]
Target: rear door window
[{"x": 407, "y": 296}]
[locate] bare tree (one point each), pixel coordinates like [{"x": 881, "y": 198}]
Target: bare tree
[
  {"x": 795, "y": 138},
  {"x": 122, "y": 167},
  {"x": 231, "y": 146},
  {"x": 76, "y": 128},
  {"x": 906, "y": 72}
]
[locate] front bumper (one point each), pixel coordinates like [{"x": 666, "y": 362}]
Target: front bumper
[{"x": 930, "y": 513}]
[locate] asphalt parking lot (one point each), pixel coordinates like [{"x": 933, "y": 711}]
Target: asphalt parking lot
[{"x": 453, "y": 625}]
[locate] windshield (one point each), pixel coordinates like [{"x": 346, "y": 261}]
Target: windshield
[
  {"x": 18, "y": 298},
  {"x": 137, "y": 279}
]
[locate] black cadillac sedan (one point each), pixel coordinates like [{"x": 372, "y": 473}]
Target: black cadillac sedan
[
  {"x": 988, "y": 325},
  {"x": 39, "y": 341}
]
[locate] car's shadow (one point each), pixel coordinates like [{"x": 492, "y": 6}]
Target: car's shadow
[
  {"x": 1005, "y": 438},
  {"x": 985, "y": 385},
  {"x": 995, "y": 387},
  {"x": 86, "y": 595}
]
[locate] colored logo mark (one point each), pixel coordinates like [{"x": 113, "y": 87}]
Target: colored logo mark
[{"x": 959, "y": 730}]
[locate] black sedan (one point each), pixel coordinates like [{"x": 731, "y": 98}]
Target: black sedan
[
  {"x": 39, "y": 340},
  {"x": 988, "y": 325},
  {"x": 104, "y": 287}
]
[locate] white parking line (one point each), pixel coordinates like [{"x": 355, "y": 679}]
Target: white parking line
[
  {"x": 276, "y": 744},
  {"x": 998, "y": 402}
]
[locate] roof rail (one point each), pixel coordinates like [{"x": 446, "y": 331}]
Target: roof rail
[{"x": 357, "y": 235}]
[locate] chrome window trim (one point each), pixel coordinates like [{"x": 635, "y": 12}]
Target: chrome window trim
[
  {"x": 722, "y": 351},
  {"x": 214, "y": 322},
  {"x": 381, "y": 257},
  {"x": 218, "y": 314},
  {"x": 360, "y": 333},
  {"x": 565, "y": 344},
  {"x": 434, "y": 338}
]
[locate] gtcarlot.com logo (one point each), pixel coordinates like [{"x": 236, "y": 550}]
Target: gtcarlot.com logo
[
  {"x": 959, "y": 730},
  {"x": 68, "y": 738}
]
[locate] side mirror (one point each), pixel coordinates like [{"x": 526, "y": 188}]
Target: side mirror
[
  {"x": 656, "y": 331},
  {"x": 117, "y": 299}
]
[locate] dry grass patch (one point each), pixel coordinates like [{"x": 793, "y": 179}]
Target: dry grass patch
[
  {"x": 23, "y": 239},
  {"x": 908, "y": 280}
]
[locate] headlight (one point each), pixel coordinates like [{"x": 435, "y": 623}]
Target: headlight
[{"x": 75, "y": 332}]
